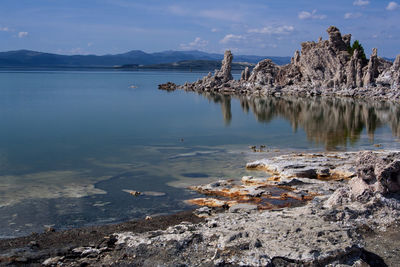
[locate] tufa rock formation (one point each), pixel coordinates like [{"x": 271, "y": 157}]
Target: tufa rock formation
[
  {"x": 245, "y": 74},
  {"x": 376, "y": 174},
  {"x": 321, "y": 68},
  {"x": 224, "y": 74}
]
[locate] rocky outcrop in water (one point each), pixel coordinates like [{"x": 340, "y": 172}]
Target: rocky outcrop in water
[
  {"x": 167, "y": 86},
  {"x": 220, "y": 81},
  {"x": 325, "y": 67}
]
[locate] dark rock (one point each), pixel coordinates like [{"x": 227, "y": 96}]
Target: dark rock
[{"x": 169, "y": 86}]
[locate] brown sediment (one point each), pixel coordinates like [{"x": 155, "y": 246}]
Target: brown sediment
[
  {"x": 211, "y": 202},
  {"x": 261, "y": 202},
  {"x": 250, "y": 192},
  {"x": 274, "y": 178},
  {"x": 222, "y": 192}
]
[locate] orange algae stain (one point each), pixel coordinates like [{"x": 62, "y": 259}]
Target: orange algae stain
[
  {"x": 340, "y": 175},
  {"x": 211, "y": 202},
  {"x": 274, "y": 178},
  {"x": 222, "y": 193},
  {"x": 262, "y": 201},
  {"x": 253, "y": 182}
]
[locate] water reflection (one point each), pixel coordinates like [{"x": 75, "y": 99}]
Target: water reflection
[
  {"x": 332, "y": 122},
  {"x": 225, "y": 101}
]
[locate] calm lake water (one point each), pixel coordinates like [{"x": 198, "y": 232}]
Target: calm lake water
[{"x": 73, "y": 142}]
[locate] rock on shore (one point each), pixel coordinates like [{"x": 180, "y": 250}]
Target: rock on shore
[
  {"x": 323, "y": 232},
  {"x": 328, "y": 229},
  {"x": 321, "y": 68}
]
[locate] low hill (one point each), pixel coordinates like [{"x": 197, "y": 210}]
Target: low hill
[
  {"x": 189, "y": 65},
  {"x": 34, "y": 59}
]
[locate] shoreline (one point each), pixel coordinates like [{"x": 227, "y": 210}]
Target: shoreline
[
  {"x": 347, "y": 220},
  {"x": 36, "y": 248}
]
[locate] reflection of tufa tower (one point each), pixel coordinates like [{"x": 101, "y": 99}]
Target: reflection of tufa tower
[
  {"x": 226, "y": 109},
  {"x": 330, "y": 121},
  {"x": 225, "y": 101}
]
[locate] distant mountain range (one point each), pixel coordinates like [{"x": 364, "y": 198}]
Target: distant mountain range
[
  {"x": 189, "y": 65},
  {"x": 138, "y": 58}
]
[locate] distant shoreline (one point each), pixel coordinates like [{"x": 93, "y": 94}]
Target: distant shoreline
[{"x": 236, "y": 67}]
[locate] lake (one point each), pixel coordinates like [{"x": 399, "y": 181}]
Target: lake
[{"x": 74, "y": 143}]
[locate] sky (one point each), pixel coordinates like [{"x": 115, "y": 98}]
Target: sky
[{"x": 247, "y": 27}]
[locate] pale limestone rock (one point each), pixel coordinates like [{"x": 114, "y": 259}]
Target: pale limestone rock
[
  {"x": 321, "y": 68},
  {"x": 296, "y": 57},
  {"x": 396, "y": 72},
  {"x": 224, "y": 74},
  {"x": 376, "y": 174},
  {"x": 264, "y": 73},
  {"x": 245, "y": 75},
  {"x": 219, "y": 82},
  {"x": 335, "y": 39},
  {"x": 354, "y": 71},
  {"x": 389, "y": 76},
  {"x": 372, "y": 68}
]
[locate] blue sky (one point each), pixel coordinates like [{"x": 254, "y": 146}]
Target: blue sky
[{"x": 269, "y": 27}]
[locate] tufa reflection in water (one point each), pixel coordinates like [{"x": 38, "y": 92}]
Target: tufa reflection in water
[{"x": 329, "y": 121}]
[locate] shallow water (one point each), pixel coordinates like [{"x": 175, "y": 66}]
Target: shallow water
[{"x": 71, "y": 142}]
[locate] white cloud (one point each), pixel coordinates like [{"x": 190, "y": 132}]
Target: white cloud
[
  {"x": 90, "y": 44},
  {"x": 352, "y": 15},
  {"x": 214, "y": 30},
  {"x": 360, "y": 3},
  {"x": 198, "y": 43},
  {"x": 392, "y": 6},
  {"x": 22, "y": 34},
  {"x": 311, "y": 15},
  {"x": 231, "y": 38},
  {"x": 285, "y": 29},
  {"x": 4, "y": 29}
]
